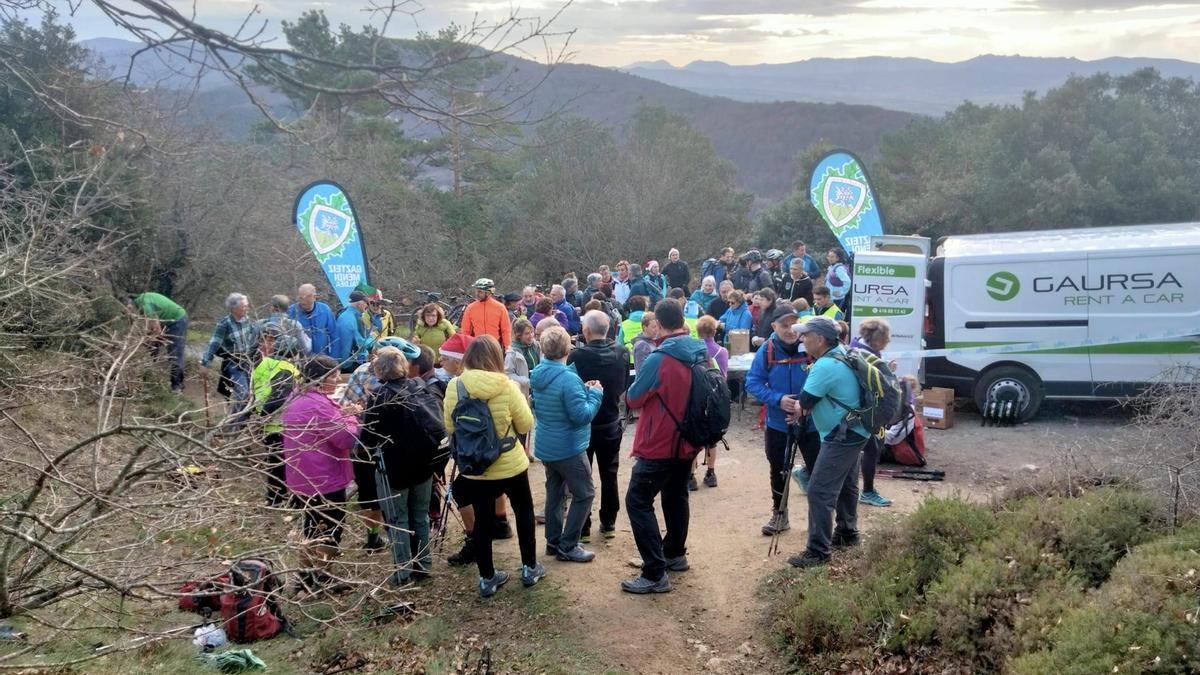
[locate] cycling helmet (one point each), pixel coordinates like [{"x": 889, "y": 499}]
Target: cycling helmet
[
  {"x": 485, "y": 284},
  {"x": 774, "y": 254},
  {"x": 753, "y": 255},
  {"x": 407, "y": 348}
]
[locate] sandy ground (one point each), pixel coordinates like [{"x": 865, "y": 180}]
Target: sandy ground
[{"x": 713, "y": 620}]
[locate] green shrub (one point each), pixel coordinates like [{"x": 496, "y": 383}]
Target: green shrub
[
  {"x": 820, "y": 616},
  {"x": 940, "y": 532},
  {"x": 1100, "y": 526}
]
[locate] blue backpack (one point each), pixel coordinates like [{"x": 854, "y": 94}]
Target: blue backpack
[{"x": 475, "y": 444}]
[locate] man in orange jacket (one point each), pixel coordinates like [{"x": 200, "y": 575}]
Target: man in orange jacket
[{"x": 487, "y": 316}]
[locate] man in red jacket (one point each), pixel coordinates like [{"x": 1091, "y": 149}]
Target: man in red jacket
[
  {"x": 663, "y": 457},
  {"x": 487, "y": 316}
]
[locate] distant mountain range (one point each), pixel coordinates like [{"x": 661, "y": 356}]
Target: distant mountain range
[
  {"x": 761, "y": 139},
  {"x": 914, "y": 85}
]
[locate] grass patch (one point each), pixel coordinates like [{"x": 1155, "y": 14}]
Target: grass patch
[{"x": 1029, "y": 585}]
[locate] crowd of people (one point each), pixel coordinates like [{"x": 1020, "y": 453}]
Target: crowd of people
[{"x": 547, "y": 375}]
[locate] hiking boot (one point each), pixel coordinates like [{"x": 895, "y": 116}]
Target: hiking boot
[
  {"x": 640, "y": 585},
  {"x": 488, "y": 587},
  {"x": 692, "y": 487},
  {"x": 374, "y": 542},
  {"x": 710, "y": 478},
  {"x": 608, "y": 531},
  {"x": 873, "y": 498},
  {"x": 801, "y": 476},
  {"x": 465, "y": 555},
  {"x": 678, "y": 564},
  {"x": 585, "y": 537},
  {"x": 843, "y": 540},
  {"x": 808, "y": 559},
  {"x": 578, "y": 554},
  {"x": 777, "y": 524},
  {"x": 502, "y": 530},
  {"x": 532, "y": 575}
]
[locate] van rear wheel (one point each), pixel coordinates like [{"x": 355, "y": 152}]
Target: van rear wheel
[{"x": 1024, "y": 382}]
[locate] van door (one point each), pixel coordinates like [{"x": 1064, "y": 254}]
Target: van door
[
  {"x": 1019, "y": 299},
  {"x": 1152, "y": 301}
]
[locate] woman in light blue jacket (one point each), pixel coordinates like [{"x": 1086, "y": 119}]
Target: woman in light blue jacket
[
  {"x": 738, "y": 316},
  {"x": 564, "y": 407}
]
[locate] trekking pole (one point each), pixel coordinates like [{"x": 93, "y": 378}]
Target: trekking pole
[{"x": 789, "y": 460}]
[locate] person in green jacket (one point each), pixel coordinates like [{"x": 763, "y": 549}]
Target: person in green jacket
[
  {"x": 433, "y": 329},
  {"x": 168, "y": 323},
  {"x": 270, "y": 384}
]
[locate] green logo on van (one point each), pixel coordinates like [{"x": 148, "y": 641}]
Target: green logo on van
[{"x": 1003, "y": 286}]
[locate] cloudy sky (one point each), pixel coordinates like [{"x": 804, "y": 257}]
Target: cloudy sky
[{"x": 619, "y": 32}]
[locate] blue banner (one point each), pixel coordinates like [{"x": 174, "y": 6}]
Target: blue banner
[
  {"x": 327, "y": 222},
  {"x": 841, "y": 192}
]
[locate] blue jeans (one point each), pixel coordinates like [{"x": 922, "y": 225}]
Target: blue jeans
[
  {"x": 833, "y": 485},
  {"x": 573, "y": 474},
  {"x": 239, "y": 397},
  {"x": 650, "y": 478},
  {"x": 406, "y": 513}
]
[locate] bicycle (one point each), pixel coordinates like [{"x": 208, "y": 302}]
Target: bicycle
[{"x": 453, "y": 309}]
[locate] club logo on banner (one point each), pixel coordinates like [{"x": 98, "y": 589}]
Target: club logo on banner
[
  {"x": 841, "y": 193},
  {"x": 326, "y": 220}
]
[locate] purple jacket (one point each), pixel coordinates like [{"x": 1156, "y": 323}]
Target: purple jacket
[
  {"x": 719, "y": 354},
  {"x": 317, "y": 440}
]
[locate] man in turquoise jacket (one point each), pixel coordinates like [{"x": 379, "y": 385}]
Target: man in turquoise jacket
[{"x": 351, "y": 340}]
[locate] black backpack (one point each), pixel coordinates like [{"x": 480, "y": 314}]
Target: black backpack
[
  {"x": 706, "y": 418},
  {"x": 475, "y": 445},
  {"x": 418, "y": 409}
]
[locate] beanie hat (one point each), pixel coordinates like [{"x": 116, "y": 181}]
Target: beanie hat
[{"x": 456, "y": 346}]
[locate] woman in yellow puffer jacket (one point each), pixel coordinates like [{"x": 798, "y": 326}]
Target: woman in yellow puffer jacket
[{"x": 485, "y": 379}]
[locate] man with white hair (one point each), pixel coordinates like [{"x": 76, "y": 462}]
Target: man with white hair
[
  {"x": 315, "y": 317},
  {"x": 234, "y": 340},
  {"x": 605, "y": 361},
  {"x": 558, "y": 295}
]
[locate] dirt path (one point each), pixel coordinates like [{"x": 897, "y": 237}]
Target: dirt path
[{"x": 712, "y": 619}]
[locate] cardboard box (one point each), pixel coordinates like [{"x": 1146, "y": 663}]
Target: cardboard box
[
  {"x": 739, "y": 341},
  {"x": 936, "y": 407}
]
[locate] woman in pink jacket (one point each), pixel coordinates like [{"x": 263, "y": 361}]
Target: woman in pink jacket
[{"x": 318, "y": 437}]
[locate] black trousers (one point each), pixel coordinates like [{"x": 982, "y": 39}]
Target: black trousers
[
  {"x": 870, "y": 459},
  {"x": 606, "y": 454},
  {"x": 776, "y": 445},
  {"x": 484, "y": 494},
  {"x": 652, "y": 477},
  {"x": 276, "y": 476}
]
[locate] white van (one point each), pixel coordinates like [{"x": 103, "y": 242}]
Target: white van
[{"x": 1071, "y": 287}]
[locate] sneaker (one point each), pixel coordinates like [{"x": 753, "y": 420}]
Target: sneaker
[
  {"x": 710, "y": 478},
  {"x": 841, "y": 540},
  {"x": 692, "y": 487},
  {"x": 608, "y": 531},
  {"x": 873, "y": 498},
  {"x": 502, "y": 530},
  {"x": 374, "y": 542},
  {"x": 678, "y": 564},
  {"x": 801, "y": 476},
  {"x": 578, "y": 554},
  {"x": 808, "y": 559},
  {"x": 640, "y": 585},
  {"x": 585, "y": 537},
  {"x": 465, "y": 555},
  {"x": 532, "y": 575},
  {"x": 488, "y": 587},
  {"x": 776, "y": 525}
]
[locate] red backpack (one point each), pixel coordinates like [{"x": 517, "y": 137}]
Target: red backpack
[
  {"x": 248, "y": 607},
  {"x": 202, "y": 597},
  {"x": 910, "y": 451}
]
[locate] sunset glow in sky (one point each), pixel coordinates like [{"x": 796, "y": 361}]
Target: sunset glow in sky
[{"x": 619, "y": 32}]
